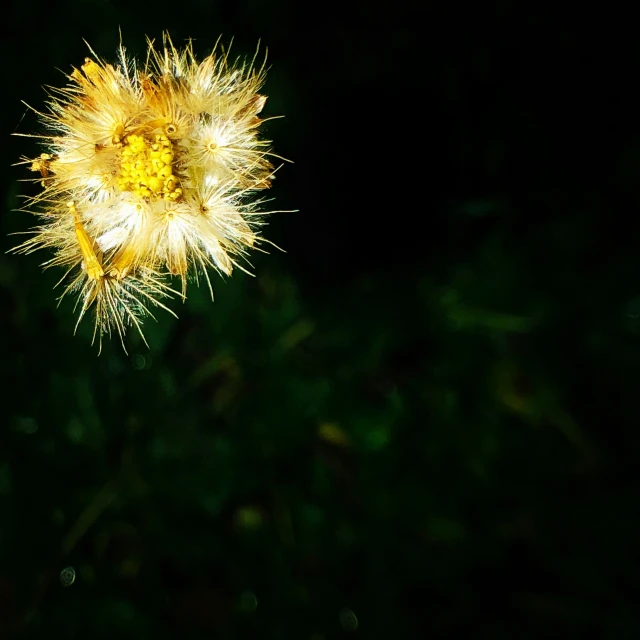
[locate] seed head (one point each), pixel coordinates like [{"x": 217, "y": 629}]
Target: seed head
[{"x": 149, "y": 173}]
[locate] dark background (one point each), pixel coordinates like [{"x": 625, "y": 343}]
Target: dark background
[{"x": 419, "y": 421}]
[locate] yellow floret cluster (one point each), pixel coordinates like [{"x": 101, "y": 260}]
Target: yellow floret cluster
[
  {"x": 145, "y": 168},
  {"x": 149, "y": 172}
]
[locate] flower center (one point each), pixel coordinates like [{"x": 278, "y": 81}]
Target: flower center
[{"x": 146, "y": 168}]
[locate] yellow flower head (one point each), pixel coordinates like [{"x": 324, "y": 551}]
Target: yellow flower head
[{"x": 147, "y": 173}]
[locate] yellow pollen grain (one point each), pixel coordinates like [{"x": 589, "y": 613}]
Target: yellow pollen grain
[{"x": 146, "y": 168}]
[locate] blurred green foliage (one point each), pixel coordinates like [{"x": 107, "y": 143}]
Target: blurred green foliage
[{"x": 419, "y": 421}]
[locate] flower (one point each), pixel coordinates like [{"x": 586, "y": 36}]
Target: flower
[{"x": 149, "y": 173}]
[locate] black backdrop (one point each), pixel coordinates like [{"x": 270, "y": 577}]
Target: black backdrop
[{"x": 420, "y": 420}]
